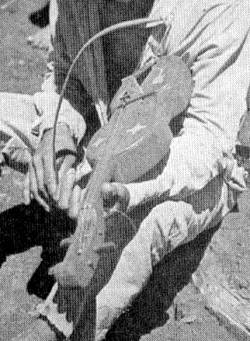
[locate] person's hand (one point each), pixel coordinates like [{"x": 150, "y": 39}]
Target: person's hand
[
  {"x": 73, "y": 190},
  {"x": 41, "y": 181},
  {"x": 115, "y": 197}
]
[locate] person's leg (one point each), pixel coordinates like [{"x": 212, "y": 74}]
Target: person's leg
[{"x": 168, "y": 225}]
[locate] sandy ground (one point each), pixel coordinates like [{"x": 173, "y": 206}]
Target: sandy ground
[{"x": 170, "y": 308}]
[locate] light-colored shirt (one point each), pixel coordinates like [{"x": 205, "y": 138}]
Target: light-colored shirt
[
  {"x": 213, "y": 37},
  {"x": 97, "y": 75}
]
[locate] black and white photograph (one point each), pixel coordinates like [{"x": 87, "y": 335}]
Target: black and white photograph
[{"x": 124, "y": 170}]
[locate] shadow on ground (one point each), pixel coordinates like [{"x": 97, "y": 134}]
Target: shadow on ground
[
  {"x": 168, "y": 278},
  {"x": 23, "y": 227}
]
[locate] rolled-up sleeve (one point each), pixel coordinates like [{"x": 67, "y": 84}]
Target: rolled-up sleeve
[{"x": 221, "y": 75}]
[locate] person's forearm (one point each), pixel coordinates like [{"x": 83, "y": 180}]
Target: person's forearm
[
  {"x": 219, "y": 64},
  {"x": 193, "y": 162}
]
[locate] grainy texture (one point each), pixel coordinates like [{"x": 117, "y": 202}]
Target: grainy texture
[{"x": 188, "y": 319}]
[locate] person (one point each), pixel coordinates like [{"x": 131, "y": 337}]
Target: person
[
  {"x": 78, "y": 119},
  {"x": 201, "y": 180},
  {"x": 33, "y": 115}
]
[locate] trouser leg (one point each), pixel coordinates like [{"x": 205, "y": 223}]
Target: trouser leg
[{"x": 169, "y": 225}]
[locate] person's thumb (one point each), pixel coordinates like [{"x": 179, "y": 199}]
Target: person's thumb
[{"x": 67, "y": 163}]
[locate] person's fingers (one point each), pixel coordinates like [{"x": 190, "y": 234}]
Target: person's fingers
[
  {"x": 117, "y": 207},
  {"x": 83, "y": 191},
  {"x": 83, "y": 169},
  {"x": 67, "y": 163},
  {"x": 110, "y": 199},
  {"x": 109, "y": 192},
  {"x": 26, "y": 189},
  {"x": 17, "y": 155},
  {"x": 39, "y": 173},
  {"x": 50, "y": 175},
  {"x": 26, "y": 157},
  {"x": 34, "y": 189},
  {"x": 66, "y": 188},
  {"x": 75, "y": 202}
]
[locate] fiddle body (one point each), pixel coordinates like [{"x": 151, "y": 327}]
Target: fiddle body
[{"x": 136, "y": 138}]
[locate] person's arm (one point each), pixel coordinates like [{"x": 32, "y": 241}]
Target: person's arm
[
  {"x": 41, "y": 179},
  {"x": 221, "y": 76}
]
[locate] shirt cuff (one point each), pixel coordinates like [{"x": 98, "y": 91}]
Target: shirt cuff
[{"x": 46, "y": 104}]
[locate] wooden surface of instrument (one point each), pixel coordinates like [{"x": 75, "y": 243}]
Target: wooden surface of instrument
[{"x": 136, "y": 138}]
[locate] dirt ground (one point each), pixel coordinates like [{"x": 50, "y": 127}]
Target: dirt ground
[{"x": 184, "y": 317}]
